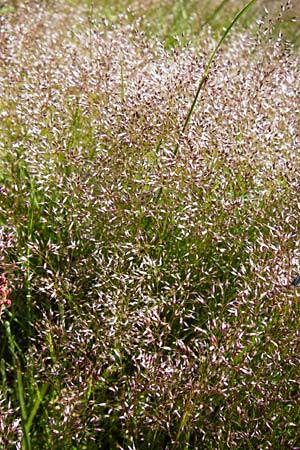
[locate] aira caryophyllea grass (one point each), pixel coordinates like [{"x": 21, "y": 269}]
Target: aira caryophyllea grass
[{"x": 153, "y": 234}]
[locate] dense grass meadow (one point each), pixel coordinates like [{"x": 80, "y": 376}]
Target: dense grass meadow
[{"x": 149, "y": 237}]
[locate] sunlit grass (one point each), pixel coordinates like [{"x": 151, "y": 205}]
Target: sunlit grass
[{"x": 148, "y": 246}]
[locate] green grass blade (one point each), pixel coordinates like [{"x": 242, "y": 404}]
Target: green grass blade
[
  {"x": 209, "y": 63},
  {"x": 39, "y": 398},
  {"x": 20, "y": 389},
  {"x": 204, "y": 79},
  {"x": 215, "y": 12}
]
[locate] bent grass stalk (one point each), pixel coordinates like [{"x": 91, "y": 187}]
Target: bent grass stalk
[
  {"x": 215, "y": 12},
  {"x": 204, "y": 78},
  {"x": 208, "y": 66}
]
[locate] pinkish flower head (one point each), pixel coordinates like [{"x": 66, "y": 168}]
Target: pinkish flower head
[{"x": 4, "y": 292}]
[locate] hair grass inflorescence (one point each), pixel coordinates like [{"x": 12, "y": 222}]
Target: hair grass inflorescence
[{"x": 141, "y": 320}]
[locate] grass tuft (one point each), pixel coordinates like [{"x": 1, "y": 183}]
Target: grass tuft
[{"x": 137, "y": 320}]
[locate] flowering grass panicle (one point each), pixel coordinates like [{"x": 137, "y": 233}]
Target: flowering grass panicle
[{"x": 151, "y": 298}]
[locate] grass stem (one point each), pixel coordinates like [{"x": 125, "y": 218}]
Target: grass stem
[{"x": 26, "y": 443}]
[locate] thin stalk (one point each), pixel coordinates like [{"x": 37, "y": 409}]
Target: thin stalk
[
  {"x": 28, "y": 286},
  {"x": 208, "y": 66},
  {"x": 26, "y": 443},
  {"x": 39, "y": 398},
  {"x": 30, "y": 228},
  {"x": 215, "y": 12},
  {"x": 204, "y": 78}
]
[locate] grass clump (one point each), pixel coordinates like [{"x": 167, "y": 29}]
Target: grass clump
[{"x": 148, "y": 262}]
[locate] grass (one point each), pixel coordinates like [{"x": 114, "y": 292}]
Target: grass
[{"x": 149, "y": 226}]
